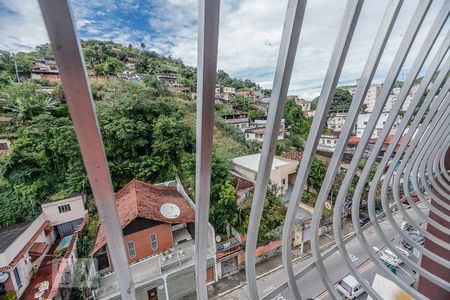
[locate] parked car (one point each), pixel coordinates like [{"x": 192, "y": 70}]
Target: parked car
[
  {"x": 363, "y": 220},
  {"x": 350, "y": 287},
  {"x": 417, "y": 237},
  {"x": 378, "y": 210},
  {"x": 390, "y": 258}
]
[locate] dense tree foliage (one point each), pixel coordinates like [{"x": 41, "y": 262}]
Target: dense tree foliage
[
  {"x": 294, "y": 118},
  {"x": 341, "y": 100},
  {"x": 226, "y": 80},
  {"x": 144, "y": 133},
  {"x": 273, "y": 215},
  {"x": 316, "y": 174}
]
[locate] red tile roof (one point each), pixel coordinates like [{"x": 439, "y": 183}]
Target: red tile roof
[
  {"x": 140, "y": 199},
  {"x": 354, "y": 140},
  {"x": 240, "y": 183}
]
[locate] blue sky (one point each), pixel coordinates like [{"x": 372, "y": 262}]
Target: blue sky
[{"x": 249, "y": 35}]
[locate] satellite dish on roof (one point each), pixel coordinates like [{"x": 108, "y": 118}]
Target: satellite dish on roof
[
  {"x": 3, "y": 277},
  {"x": 170, "y": 211},
  {"x": 218, "y": 238}
]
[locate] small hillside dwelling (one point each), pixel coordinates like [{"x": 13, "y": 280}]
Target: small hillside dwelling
[
  {"x": 336, "y": 120},
  {"x": 283, "y": 170},
  {"x": 363, "y": 120},
  {"x": 238, "y": 119},
  {"x": 170, "y": 77},
  {"x": 41, "y": 251},
  {"x": 244, "y": 188},
  {"x": 257, "y": 128},
  {"x": 153, "y": 219},
  {"x": 327, "y": 142},
  {"x": 45, "y": 68},
  {"x": 229, "y": 90}
]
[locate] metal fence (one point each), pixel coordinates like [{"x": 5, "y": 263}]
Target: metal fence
[{"x": 422, "y": 154}]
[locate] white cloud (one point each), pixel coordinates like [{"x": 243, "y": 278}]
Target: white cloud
[{"x": 249, "y": 36}]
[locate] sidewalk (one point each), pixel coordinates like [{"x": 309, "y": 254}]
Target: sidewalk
[{"x": 228, "y": 284}]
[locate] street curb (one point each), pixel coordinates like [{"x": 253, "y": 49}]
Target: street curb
[{"x": 305, "y": 255}]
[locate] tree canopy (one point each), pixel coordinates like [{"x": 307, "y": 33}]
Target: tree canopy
[{"x": 341, "y": 100}]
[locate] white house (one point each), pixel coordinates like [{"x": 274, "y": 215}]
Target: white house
[
  {"x": 229, "y": 90},
  {"x": 257, "y": 128},
  {"x": 30, "y": 248},
  {"x": 336, "y": 120},
  {"x": 327, "y": 142},
  {"x": 240, "y": 120},
  {"x": 371, "y": 96},
  {"x": 282, "y": 173},
  {"x": 363, "y": 120}
]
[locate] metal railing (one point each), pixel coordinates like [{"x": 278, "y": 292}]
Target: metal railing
[{"x": 424, "y": 133}]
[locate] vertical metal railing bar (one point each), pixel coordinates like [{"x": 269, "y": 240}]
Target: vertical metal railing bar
[
  {"x": 208, "y": 33},
  {"x": 418, "y": 157},
  {"x": 67, "y": 50},
  {"x": 444, "y": 171},
  {"x": 416, "y": 66},
  {"x": 439, "y": 165},
  {"x": 440, "y": 178},
  {"x": 434, "y": 101},
  {"x": 400, "y": 57},
  {"x": 374, "y": 57},
  {"x": 350, "y": 18},
  {"x": 441, "y": 170},
  {"x": 403, "y": 124},
  {"x": 288, "y": 48},
  {"x": 420, "y": 168},
  {"x": 418, "y": 63},
  {"x": 437, "y": 188},
  {"x": 397, "y": 176},
  {"x": 433, "y": 188},
  {"x": 418, "y": 143},
  {"x": 431, "y": 164}
]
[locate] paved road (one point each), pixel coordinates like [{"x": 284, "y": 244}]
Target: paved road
[{"x": 310, "y": 284}]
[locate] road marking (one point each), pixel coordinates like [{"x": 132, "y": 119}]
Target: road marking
[
  {"x": 367, "y": 267},
  {"x": 352, "y": 257}
]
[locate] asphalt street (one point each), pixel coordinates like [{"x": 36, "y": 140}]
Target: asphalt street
[{"x": 310, "y": 284}]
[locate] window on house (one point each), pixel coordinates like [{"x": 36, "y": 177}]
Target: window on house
[
  {"x": 283, "y": 181},
  {"x": 17, "y": 278},
  {"x": 328, "y": 142},
  {"x": 154, "y": 241},
  {"x": 131, "y": 249},
  {"x": 365, "y": 123},
  {"x": 64, "y": 208}
]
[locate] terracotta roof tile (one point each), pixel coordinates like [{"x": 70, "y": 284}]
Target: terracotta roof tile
[
  {"x": 240, "y": 183},
  {"x": 140, "y": 199}
]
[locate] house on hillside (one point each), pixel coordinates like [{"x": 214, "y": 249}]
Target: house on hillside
[
  {"x": 169, "y": 77},
  {"x": 45, "y": 69},
  {"x": 327, "y": 142},
  {"x": 244, "y": 188},
  {"x": 38, "y": 258},
  {"x": 336, "y": 120},
  {"x": 257, "y": 128},
  {"x": 158, "y": 229},
  {"x": 238, "y": 119},
  {"x": 283, "y": 172}
]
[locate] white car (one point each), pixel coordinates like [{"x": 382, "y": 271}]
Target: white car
[
  {"x": 350, "y": 287},
  {"x": 390, "y": 258}
]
